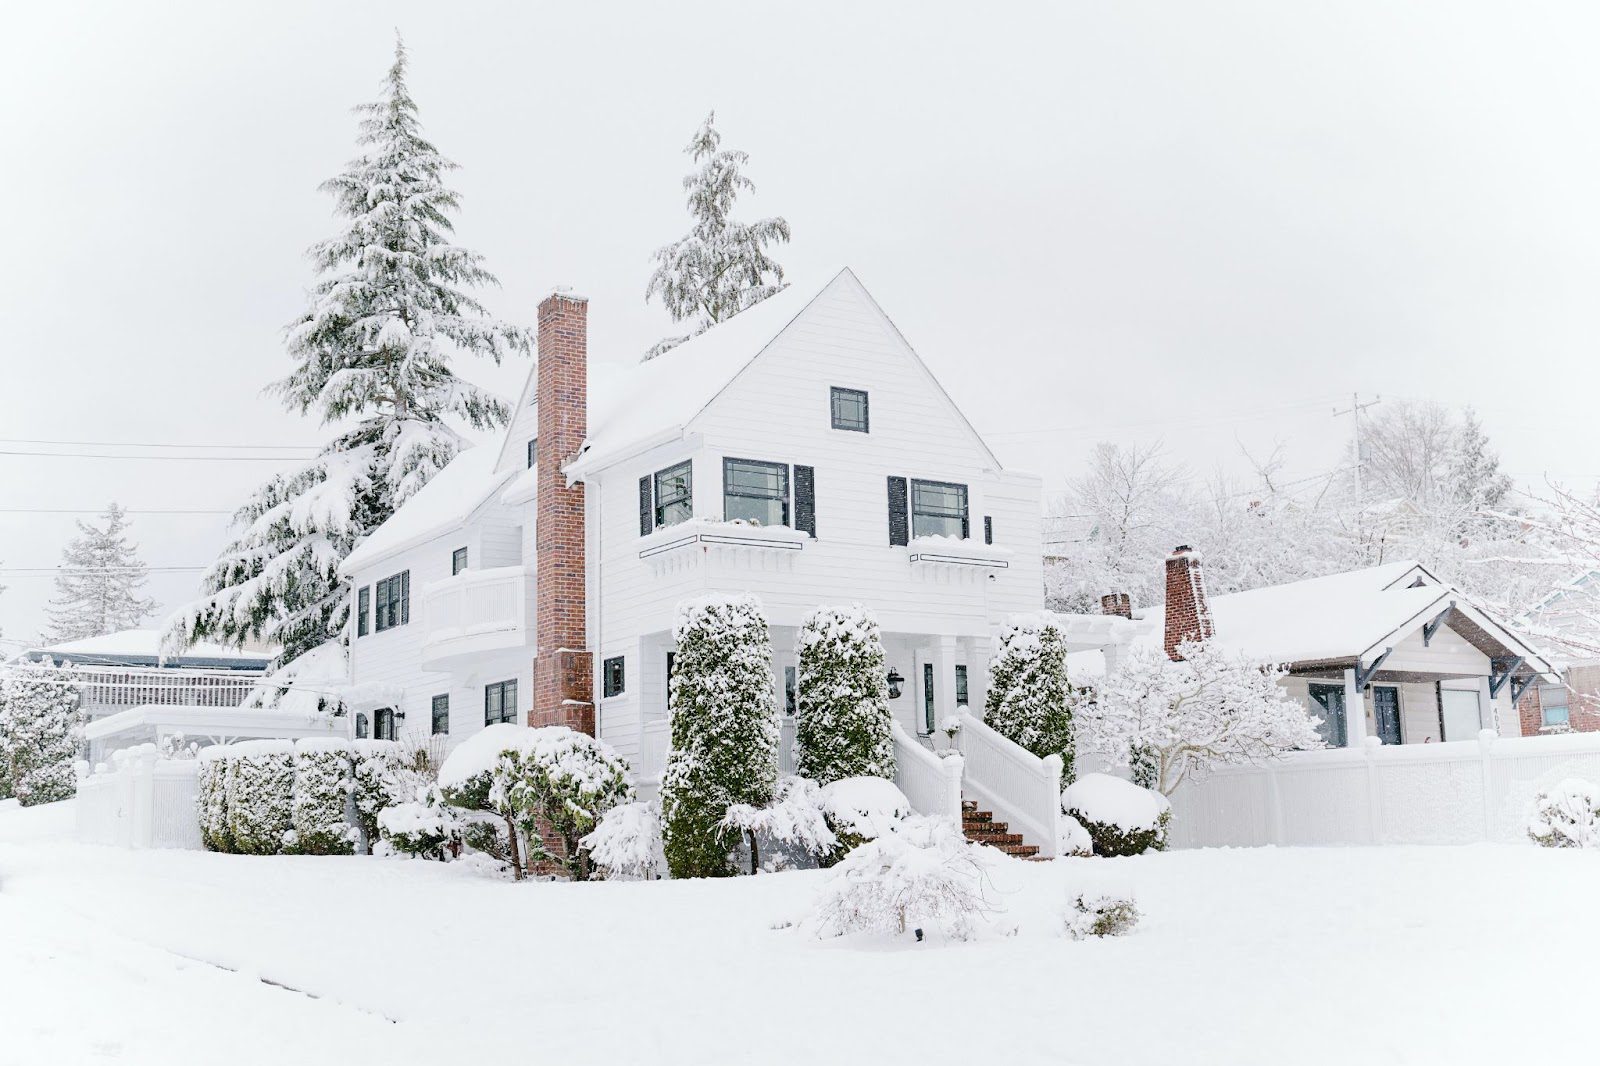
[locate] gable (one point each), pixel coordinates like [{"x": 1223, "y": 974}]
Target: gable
[{"x": 522, "y": 428}]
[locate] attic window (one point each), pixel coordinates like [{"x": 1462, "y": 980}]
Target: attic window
[{"x": 849, "y": 409}]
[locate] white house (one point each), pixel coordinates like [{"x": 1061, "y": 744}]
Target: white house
[{"x": 800, "y": 451}]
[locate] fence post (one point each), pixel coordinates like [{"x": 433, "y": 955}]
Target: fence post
[
  {"x": 141, "y": 820},
  {"x": 953, "y": 766},
  {"x": 1369, "y": 748},
  {"x": 1275, "y": 798},
  {"x": 1052, "y": 822},
  {"x": 1486, "y": 739}
]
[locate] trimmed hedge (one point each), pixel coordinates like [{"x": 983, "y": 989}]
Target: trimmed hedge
[
  {"x": 322, "y": 784},
  {"x": 261, "y": 797}
]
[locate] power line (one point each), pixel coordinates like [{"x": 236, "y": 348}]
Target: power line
[
  {"x": 149, "y": 444},
  {"x": 170, "y": 458},
  {"x": 102, "y": 510},
  {"x": 101, "y": 569}
]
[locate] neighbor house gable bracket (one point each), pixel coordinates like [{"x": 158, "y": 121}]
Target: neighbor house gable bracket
[
  {"x": 1430, "y": 628},
  {"x": 1364, "y": 675},
  {"x": 1501, "y": 671}
]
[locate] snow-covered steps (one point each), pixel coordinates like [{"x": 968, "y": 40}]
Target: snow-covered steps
[{"x": 981, "y": 828}]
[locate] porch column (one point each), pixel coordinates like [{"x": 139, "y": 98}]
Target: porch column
[
  {"x": 1355, "y": 712},
  {"x": 1486, "y": 705},
  {"x": 944, "y": 679},
  {"x": 977, "y": 651}
]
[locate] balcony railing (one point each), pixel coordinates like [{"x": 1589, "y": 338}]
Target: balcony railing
[{"x": 476, "y": 611}]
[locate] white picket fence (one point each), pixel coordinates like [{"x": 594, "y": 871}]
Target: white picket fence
[
  {"x": 139, "y": 800},
  {"x": 1453, "y": 793}
]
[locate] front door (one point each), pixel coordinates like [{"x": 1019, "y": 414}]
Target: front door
[{"x": 1386, "y": 711}]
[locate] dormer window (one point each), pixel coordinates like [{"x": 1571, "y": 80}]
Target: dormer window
[{"x": 849, "y": 409}]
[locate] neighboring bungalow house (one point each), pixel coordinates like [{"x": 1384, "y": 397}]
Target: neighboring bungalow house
[
  {"x": 1422, "y": 662},
  {"x": 800, "y": 451},
  {"x": 131, "y": 693},
  {"x": 1570, "y": 619}
]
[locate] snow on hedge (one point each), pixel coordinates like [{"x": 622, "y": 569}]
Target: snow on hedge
[
  {"x": 1567, "y": 815},
  {"x": 842, "y": 720},
  {"x": 381, "y": 779},
  {"x": 1120, "y": 817},
  {"x": 261, "y": 797},
  {"x": 864, "y": 807},
  {"x": 626, "y": 845},
  {"x": 323, "y": 781}
]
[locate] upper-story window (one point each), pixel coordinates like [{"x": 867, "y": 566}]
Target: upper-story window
[
  {"x": 613, "y": 678},
  {"x": 533, "y": 449},
  {"x": 500, "y": 702},
  {"x": 674, "y": 488},
  {"x": 1553, "y": 707},
  {"x": 755, "y": 492},
  {"x": 393, "y": 606},
  {"x": 458, "y": 561},
  {"x": 938, "y": 509},
  {"x": 363, "y": 602},
  {"x": 849, "y": 409}
]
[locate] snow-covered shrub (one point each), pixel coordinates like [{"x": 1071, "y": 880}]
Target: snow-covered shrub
[
  {"x": 842, "y": 720},
  {"x": 323, "y": 780},
  {"x": 261, "y": 797},
  {"x": 427, "y": 827},
  {"x": 382, "y": 778},
  {"x": 794, "y": 822},
  {"x": 859, "y": 809},
  {"x": 724, "y": 730},
  {"x": 1072, "y": 838},
  {"x": 562, "y": 781},
  {"x": 1567, "y": 815},
  {"x": 174, "y": 747},
  {"x": 626, "y": 845},
  {"x": 214, "y": 768},
  {"x": 1120, "y": 817},
  {"x": 1102, "y": 915},
  {"x": 924, "y": 874},
  {"x": 1027, "y": 701},
  {"x": 476, "y": 778},
  {"x": 41, "y": 732}
]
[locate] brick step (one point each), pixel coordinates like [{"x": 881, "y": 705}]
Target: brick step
[
  {"x": 996, "y": 839},
  {"x": 980, "y": 827}
]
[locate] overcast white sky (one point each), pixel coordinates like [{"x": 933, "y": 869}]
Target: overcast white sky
[{"x": 1199, "y": 222}]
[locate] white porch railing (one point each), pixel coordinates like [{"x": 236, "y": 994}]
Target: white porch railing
[
  {"x": 476, "y": 610},
  {"x": 932, "y": 783},
  {"x": 1021, "y": 788},
  {"x": 140, "y": 801}
]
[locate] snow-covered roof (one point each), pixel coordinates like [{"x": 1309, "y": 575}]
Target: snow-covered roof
[
  {"x": 662, "y": 395},
  {"x": 143, "y": 647},
  {"x": 440, "y": 505}
]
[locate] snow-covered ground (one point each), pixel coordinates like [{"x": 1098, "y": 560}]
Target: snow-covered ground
[{"x": 1459, "y": 954}]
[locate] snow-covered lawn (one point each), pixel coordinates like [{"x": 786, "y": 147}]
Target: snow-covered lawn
[{"x": 1462, "y": 954}]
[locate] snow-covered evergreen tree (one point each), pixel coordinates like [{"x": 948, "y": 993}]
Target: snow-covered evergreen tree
[
  {"x": 41, "y": 733},
  {"x": 724, "y": 729},
  {"x": 842, "y": 720},
  {"x": 373, "y": 354},
  {"x": 721, "y": 267},
  {"x": 1028, "y": 698},
  {"x": 97, "y": 588}
]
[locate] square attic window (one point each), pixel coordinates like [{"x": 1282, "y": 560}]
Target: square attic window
[{"x": 849, "y": 409}]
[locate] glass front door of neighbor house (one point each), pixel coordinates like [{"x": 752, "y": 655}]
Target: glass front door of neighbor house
[
  {"x": 1461, "y": 713},
  {"x": 1329, "y": 700},
  {"x": 1386, "y": 712}
]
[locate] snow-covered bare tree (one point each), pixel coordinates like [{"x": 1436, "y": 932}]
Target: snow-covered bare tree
[
  {"x": 97, "y": 588},
  {"x": 41, "y": 731},
  {"x": 1170, "y": 721},
  {"x": 721, "y": 266},
  {"x": 374, "y": 354}
]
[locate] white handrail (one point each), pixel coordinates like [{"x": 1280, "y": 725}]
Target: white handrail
[
  {"x": 932, "y": 783},
  {"x": 1020, "y": 787}
]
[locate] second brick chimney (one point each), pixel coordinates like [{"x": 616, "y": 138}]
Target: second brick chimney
[
  {"x": 1188, "y": 612},
  {"x": 1117, "y": 603},
  {"x": 563, "y": 667}
]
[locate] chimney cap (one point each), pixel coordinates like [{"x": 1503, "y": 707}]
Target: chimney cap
[
  {"x": 1183, "y": 549},
  {"x": 565, "y": 292}
]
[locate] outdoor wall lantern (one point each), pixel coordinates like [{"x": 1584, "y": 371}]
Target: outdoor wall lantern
[{"x": 896, "y": 683}]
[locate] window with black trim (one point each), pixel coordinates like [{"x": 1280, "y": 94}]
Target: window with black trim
[
  {"x": 755, "y": 492},
  {"x": 938, "y": 509},
  {"x": 674, "y": 489},
  {"x": 361, "y": 727},
  {"x": 961, "y": 684},
  {"x": 612, "y": 677},
  {"x": 363, "y": 605},
  {"x": 533, "y": 448},
  {"x": 441, "y": 715},
  {"x": 393, "y": 602},
  {"x": 500, "y": 702},
  {"x": 383, "y": 723},
  {"x": 849, "y": 409},
  {"x": 458, "y": 561},
  {"x": 791, "y": 693}
]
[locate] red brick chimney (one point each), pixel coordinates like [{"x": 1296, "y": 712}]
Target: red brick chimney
[
  {"x": 1117, "y": 603},
  {"x": 563, "y": 666},
  {"x": 1188, "y": 613}
]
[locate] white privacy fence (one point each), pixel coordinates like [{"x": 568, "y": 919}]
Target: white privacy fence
[
  {"x": 140, "y": 801},
  {"x": 931, "y": 782},
  {"x": 1453, "y": 793},
  {"x": 1018, "y": 786}
]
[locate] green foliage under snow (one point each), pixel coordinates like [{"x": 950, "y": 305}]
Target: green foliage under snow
[
  {"x": 41, "y": 733},
  {"x": 1028, "y": 701},
  {"x": 842, "y": 722}
]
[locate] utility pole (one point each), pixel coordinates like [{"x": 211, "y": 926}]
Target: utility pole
[{"x": 1354, "y": 410}]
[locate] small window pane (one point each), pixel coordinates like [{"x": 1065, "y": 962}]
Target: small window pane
[
  {"x": 383, "y": 724},
  {"x": 849, "y": 409},
  {"x": 791, "y": 702},
  {"x": 499, "y": 702},
  {"x": 938, "y": 509},
  {"x": 755, "y": 492},
  {"x": 361, "y": 727},
  {"x": 533, "y": 448},
  {"x": 458, "y": 561},
  {"x": 961, "y": 685},
  {"x": 363, "y": 605},
  {"x": 1553, "y": 700},
  {"x": 674, "y": 495},
  {"x": 611, "y": 677},
  {"x": 441, "y": 714}
]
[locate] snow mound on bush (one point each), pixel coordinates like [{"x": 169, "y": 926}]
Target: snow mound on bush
[
  {"x": 867, "y": 807},
  {"x": 1072, "y": 838},
  {"x": 1567, "y": 815},
  {"x": 564, "y": 750},
  {"x": 1112, "y": 801}
]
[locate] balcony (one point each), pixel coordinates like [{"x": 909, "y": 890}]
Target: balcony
[{"x": 474, "y": 612}]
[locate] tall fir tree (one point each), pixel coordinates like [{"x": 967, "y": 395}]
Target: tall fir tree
[
  {"x": 724, "y": 729},
  {"x": 97, "y": 588},
  {"x": 374, "y": 353},
  {"x": 842, "y": 720},
  {"x": 721, "y": 267},
  {"x": 41, "y": 733},
  {"x": 1028, "y": 701}
]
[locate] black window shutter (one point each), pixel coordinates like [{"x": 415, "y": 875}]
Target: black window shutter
[
  {"x": 645, "y": 515},
  {"x": 805, "y": 499},
  {"x": 988, "y": 529},
  {"x": 405, "y": 596},
  {"x": 899, "y": 525}
]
